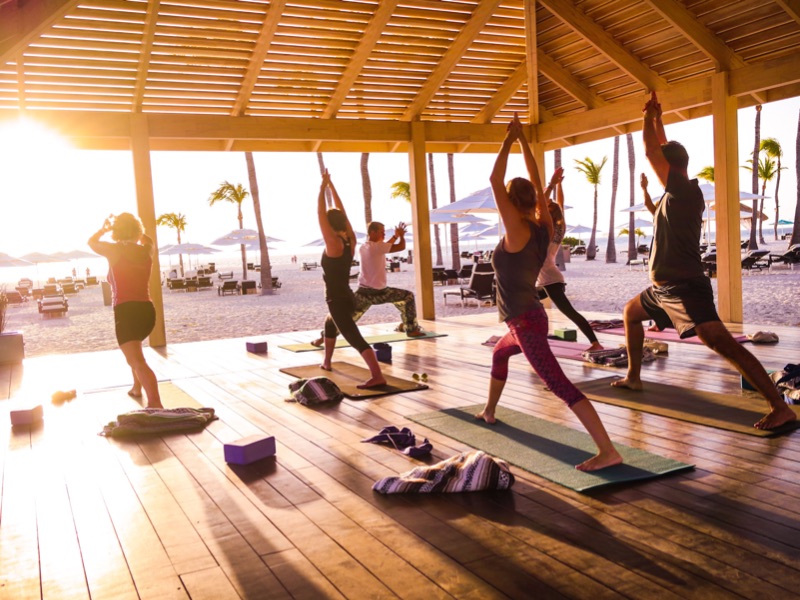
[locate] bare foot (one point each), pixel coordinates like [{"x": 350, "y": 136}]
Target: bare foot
[
  {"x": 654, "y": 327},
  {"x": 134, "y": 393},
  {"x": 415, "y": 333},
  {"x": 600, "y": 461},
  {"x": 325, "y": 367},
  {"x": 371, "y": 383},
  {"x": 595, "y": 347},
  {"x": 776, "y": 417},
  {"x": 485, "y": 415},
  {"x": 317, "y": 343},
  {"x": 155, "y": 404},
  {"x": 628, "y": 383}
]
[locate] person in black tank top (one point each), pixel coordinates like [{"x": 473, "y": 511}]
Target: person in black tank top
[
  {"x": 517, "y": 260},
  {"x": 681, "y": 295},
  {"x": 340, "y": 243}
]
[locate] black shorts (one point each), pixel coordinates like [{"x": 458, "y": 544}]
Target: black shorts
[
  {"x": 683, "y": 304},
  {"x": 133, "y": 321}
]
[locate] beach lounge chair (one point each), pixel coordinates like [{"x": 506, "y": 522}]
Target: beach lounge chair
[
  {"x": 228, "y": 287},
  {"x": 52, "y": 289},
  {"x": 53, "y": 306},
  {"x": 69, "y": 287},
  {"x": 791, "y": 257},
  {"x": 755, "y": 259},
  {"x": 578, "y": 250},
  {"x": 248, "y": 286},
  {"x": 15, "y": 298},
  {"x": 204, "y": 283},
  {"x": 176, "y": 284},
  {"x": 225, "y": 275},
  {"x": 481, "y": 288},
  {"x": 276, "y": 283},
  {"x": 709, "y": 260},
  {"x": 465, "y": 272}
]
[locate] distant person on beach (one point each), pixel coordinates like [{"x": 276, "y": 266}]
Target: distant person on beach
[
  {"x": 550, "y": 281},
  {"x": 372, "y": 288},
  {"x": 681, "y": 295},
  {"x": 130, "y": 261},
  {"x": 517, "y": 260},
  {"x": 337, "y": 258}
]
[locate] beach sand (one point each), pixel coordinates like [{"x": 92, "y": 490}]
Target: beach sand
[{"x": 769, "y": 298}]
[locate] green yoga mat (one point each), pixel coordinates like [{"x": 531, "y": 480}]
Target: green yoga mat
[
  {"x": 544, "y": 448},
  {"x": 397, "y": 336},
  {"x": 348, "y": 376},
  {"x": 732, "y": 412}
]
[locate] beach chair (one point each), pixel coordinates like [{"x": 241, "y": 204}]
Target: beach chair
[
  {"x": 204, "y": 283},
  {"x": 176, "y": 284},
  {"x": 709, "y": 260},
  {"x": 791, "y": 257},
  {"x": 52, "y": 289},
  {"x": 228, "y": 287},
  {"x": 225, "y": 275},
  {"x": 14, "y": 298},
  {"x": 480, "y": 288},
  {"x": 755, "y": 259},
  {"x": 465, "y": 273},
  {"x": 578, "y": 250},
  {"x": 248, "y": 286},
  {"x": 53, "y": 306}
]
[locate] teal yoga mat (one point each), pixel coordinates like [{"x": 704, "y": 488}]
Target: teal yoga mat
[
  {"x": 544, "y": 448},
  {"x": 386, "y": 338}
]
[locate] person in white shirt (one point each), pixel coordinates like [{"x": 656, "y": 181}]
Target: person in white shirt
[
  {"x": 551, "y": 282},
  {"x": 372, "y": 288}
]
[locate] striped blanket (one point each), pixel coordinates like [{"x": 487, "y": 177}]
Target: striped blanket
[
  {"x": 465, "y": 472},
  {"x": 158, "y": 420}
]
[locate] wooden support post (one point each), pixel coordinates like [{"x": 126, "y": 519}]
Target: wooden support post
[
  {"x": 726, "y": 186},
  {"x": 423, "y": 264},
  {"x": 145, "y": 205}
]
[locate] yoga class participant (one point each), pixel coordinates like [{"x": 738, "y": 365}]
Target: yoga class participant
[
  {"x": 336, "y": 260},
  {"x": 681, "y": 295},
  {"x": 551, "y": 281},
  {"x": 517, "y": 259},
  {"x": 130, "y": 260}
]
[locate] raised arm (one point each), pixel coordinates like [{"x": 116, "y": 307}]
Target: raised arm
[
  {"x": 102, "y": 248},
  {"x": 648, "y": 201},
  {"x": 653, "y": 136},
  {"x": 508, "y": 213},
  {"x": 337, "y": 202},
  {"x": 399, "y": 235},
  {"x": 542, "y": 213}
]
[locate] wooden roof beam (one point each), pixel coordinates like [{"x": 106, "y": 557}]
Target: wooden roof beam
[
  {"x": 574, "y": 18},
  {"x": 483, "y": 12},
  {"x": 372, "y": 34},
  {"x": 23, "y": 22},
  {"x": 791, "y": 7},
  {"x": 150, "y": 20}
]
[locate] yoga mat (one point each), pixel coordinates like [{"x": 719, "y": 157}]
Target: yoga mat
[
  {"x": 722, "y": 411},
  {"x": 348, "y": 376},
  {"x": 397, "y": 336},
  {"x": 561, "y": 349},
  {"x": 668, "y": 335},
  {"x": 544, "y": 448},
  {"x": 171, "y": 396}
]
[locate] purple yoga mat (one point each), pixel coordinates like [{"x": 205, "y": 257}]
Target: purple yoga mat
[{"x": 668, "y": 335}]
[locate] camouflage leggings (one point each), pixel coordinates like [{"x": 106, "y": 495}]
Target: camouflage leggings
[
  {"x": 527, "y": 334},
  {"x": 366, "y": 297}
]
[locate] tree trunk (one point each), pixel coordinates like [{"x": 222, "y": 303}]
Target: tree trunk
[
  {"x": 633, "y": 242},
  {"x": 611, "y": 247},
  {"x": 761, "y": 212},
  {"x": 777, "y": 187},
  {"x": 752, "y": 244},
  {"x": 266, "y": 266},
  {"x": 180, "y": 256},
  {"x": 795, "y": 239},
  {"x": 434, "y": 205},
  {"x": 455, "y": 249},
  {"x": 366, "y": 187},
  {"x": 590, "y": 251},
  {"x": 242, "y": 247}
]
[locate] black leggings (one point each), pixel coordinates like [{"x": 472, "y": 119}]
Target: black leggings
[
  {"x": 556, "y": 292},
  {"x": 341, "y": 311}
]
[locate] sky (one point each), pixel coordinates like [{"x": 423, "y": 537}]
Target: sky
[{"x": 53, "y": 197}]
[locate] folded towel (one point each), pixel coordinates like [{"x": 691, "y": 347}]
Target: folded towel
[{"x": 158, "y": 420}]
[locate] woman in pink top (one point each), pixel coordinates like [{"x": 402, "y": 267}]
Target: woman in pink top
[{"x": 130, "y": 260}]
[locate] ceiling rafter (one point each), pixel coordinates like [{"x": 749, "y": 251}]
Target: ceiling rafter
[
  {"x": 483, "y": 12},
  {"x": 22, "y": 23},
  {"x": 142, "y": 70},
  {"x": 565, "y": 11},
  {"x": 791, "y": 7}
]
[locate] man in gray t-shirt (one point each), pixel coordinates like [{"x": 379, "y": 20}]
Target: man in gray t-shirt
[{"x": 681, "y": 295}]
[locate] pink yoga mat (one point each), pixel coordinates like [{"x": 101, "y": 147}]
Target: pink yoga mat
[{"x": 668, "y": 335}]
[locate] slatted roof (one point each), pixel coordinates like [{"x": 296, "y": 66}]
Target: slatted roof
[{"x": 347, "y": 74}]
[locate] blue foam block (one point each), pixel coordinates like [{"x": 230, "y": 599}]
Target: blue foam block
[{"x": 250, "y": 449}]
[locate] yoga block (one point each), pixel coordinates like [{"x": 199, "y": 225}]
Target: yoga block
[
  {"x": 250, "y": 449},
  {"x": 569, "y": 335},
  {"x": 746, "y": 384},
  {"x": 27, "y": 416},
  {"x": 257, "y": 347},
  {"x": 383, "y": 352}
]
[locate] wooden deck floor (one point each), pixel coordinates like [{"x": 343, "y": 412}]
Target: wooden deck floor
[{"x": 88, "y": 517}]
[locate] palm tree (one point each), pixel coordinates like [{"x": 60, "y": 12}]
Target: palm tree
[
  {"x": 176, "y": 221},
  {"x": 766, "y": 172},
  {"x": 366, "y": 187},
  {"x": 592, "y": 172},
  {"x": 236, "y": 194},
  {"x": 434, "y": 205},
  {"x": 611, "y": 248},
  {"x": 772, "y": 148},
  {"x": 401, "y": 190},
  {"x": 266, "y": 266},
  {"x": 638, "y": 233},
  {"x": 455, "y": 251},
  {"x": 633, "y": 251},
  {"x": 752, "y": 244},
  {"x": 706, "y": 173}
]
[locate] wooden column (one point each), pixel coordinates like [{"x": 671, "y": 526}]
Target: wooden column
[
  {"x": 726, "y": 185},
  {"x": 145, "y": 206},
  {"x": 423, "y": 264}
]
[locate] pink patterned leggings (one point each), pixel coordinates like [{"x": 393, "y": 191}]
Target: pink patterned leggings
[{"x": 527, "y": 334}]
